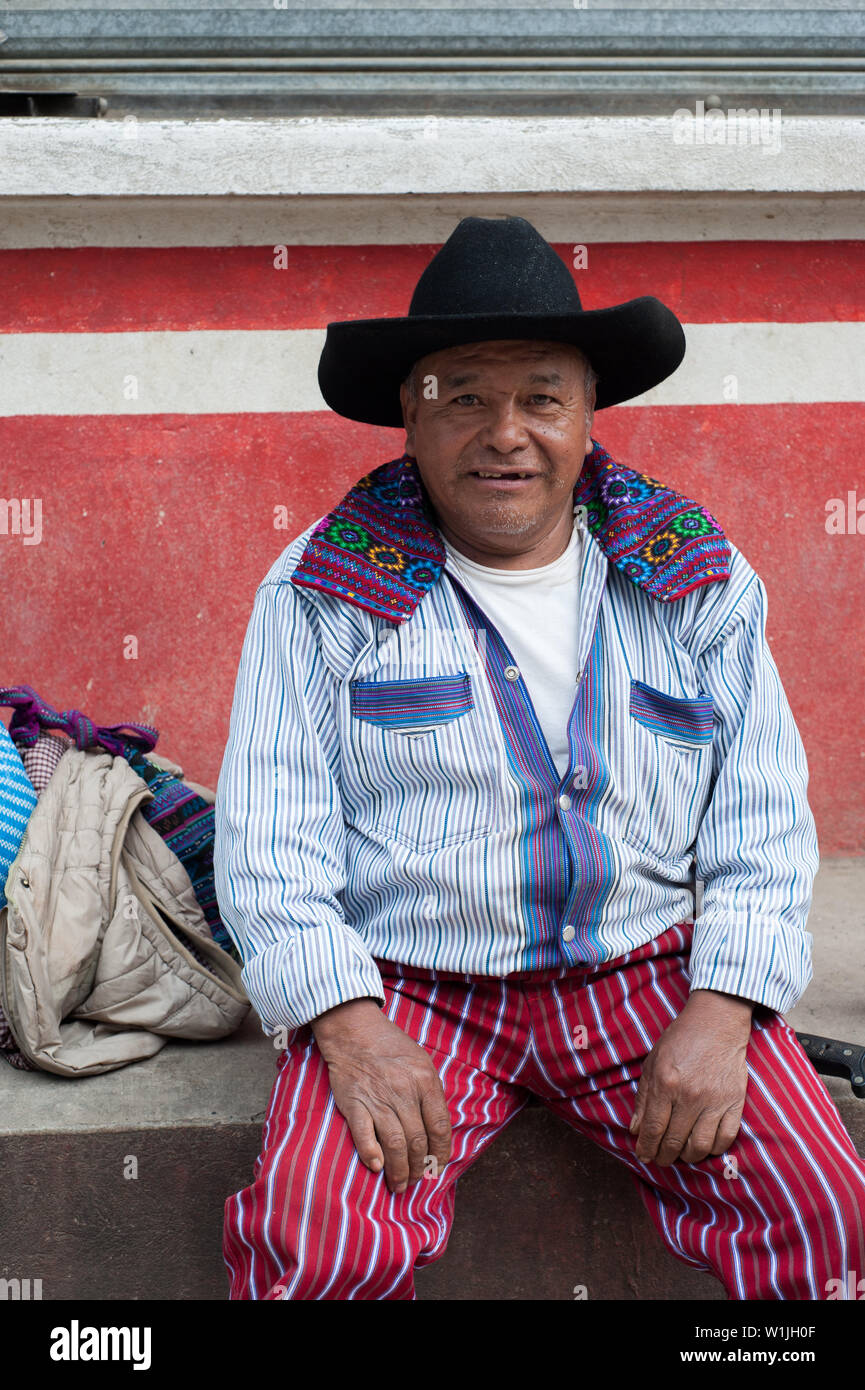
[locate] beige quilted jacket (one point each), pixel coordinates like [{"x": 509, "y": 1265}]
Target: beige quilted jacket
[{"x": 94, "y": 966}]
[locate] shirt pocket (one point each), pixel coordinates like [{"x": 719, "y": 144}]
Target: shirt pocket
[
  {"x": 414, "y": 706},
  {"x": 667, "y": 774},
  {"x": 686, "y": 722},
  {"x": 420, "y": 770}
]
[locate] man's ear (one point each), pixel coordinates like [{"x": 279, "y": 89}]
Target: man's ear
[
  {"x": 590, "y": 419},
  {"x": 409, "y": 415}
]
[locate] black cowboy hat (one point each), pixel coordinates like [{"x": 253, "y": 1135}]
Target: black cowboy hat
[{"x": 495, "y": 278}]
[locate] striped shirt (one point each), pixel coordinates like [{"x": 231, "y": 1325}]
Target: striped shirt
[{"x": 387, "y": 790}]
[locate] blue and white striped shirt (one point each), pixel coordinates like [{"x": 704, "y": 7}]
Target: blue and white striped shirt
[{"x": 387, "y": 792}]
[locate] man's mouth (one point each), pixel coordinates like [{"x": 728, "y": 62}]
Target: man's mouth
[{"x": 511, "y": 479}]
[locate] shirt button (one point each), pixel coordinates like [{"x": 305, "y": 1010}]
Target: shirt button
[
  {"x": 568, "y": 934},
  {"x": 512, "y": 673},
  {"x": 565, "y": 803}
]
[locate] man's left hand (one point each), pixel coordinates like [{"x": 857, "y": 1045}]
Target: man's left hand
[{"x": 692, "y": 1090}]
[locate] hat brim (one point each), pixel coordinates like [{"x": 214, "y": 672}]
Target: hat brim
[{"x": 632, "y": 347}]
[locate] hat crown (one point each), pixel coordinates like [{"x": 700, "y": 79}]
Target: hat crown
[{"x": 492, "y": 265}]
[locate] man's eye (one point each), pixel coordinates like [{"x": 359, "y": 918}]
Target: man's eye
[
  {"x": 539, "y": 396},
  {"x": 467, "y": 397}
]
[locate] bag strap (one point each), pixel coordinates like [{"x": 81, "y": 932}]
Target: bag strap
[{"x": 32, "y": 715}]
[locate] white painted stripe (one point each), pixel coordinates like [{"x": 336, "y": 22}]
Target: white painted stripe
[
  {"x": 424, "y": 220},
  {"x": 400, "y": 155},
  {"x": 196, "y": 372},
  {"x": 248, "y": 371},
  {"x": 765, "y": 363}
]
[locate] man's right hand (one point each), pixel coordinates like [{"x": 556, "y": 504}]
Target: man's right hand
[{"x": 388, "y": 1090}]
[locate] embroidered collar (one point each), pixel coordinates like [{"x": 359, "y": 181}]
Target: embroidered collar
[{"x": 380, "y": 550}]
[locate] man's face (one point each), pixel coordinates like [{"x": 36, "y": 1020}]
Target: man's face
[{"x": 508, "y": 406}]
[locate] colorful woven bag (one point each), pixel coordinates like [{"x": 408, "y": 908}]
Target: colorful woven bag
[
  {"x": 183, "y": 818},
  {"x": 17, "y": 800}
]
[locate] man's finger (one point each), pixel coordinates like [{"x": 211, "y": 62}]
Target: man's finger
[
  {"x": 409, "y": 1111},
  {"x": 728, "y": 1128},
  {"x": 674, "y": 1141},
  {"x": 360, "y": 1123},
  {"x": 703, "y": 1138},
  {"x": 392, "y": 1137},
  {"x": 437, "y": 1123},
  {"x": 418, "y": 1152},
  {"x": 639, "y": 1105},
  {"x": 653, "y": 1125}
]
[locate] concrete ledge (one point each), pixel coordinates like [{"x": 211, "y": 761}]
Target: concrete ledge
[
  {"x": 541, "y": 1212},
  {"x": 395, "y": 156},
  {"x": 72, "y": 1220}
]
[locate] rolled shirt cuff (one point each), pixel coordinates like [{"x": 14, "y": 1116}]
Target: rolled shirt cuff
[
  {"x": 752, "y": 956},
  {"x": 293, "y": 981}
]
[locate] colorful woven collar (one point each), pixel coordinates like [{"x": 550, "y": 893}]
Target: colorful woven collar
[{"x": 380, "y": 550}]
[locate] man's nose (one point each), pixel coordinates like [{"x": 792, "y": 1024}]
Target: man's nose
[{"x": 504, "y": 428}]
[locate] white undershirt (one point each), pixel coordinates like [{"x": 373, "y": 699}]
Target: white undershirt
[{"x": 537, "y": 613}]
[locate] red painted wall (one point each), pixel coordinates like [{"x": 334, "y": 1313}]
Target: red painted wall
[{"x": 161, "y": 526}]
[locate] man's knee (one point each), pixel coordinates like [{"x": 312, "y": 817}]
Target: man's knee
[{"x": 333, "y": 1231}]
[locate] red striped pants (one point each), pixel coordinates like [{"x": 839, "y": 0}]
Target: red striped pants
[{"x": 316, "y": 1224}]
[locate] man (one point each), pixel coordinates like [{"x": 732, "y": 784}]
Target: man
[{"x": 488, "y": 711}]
